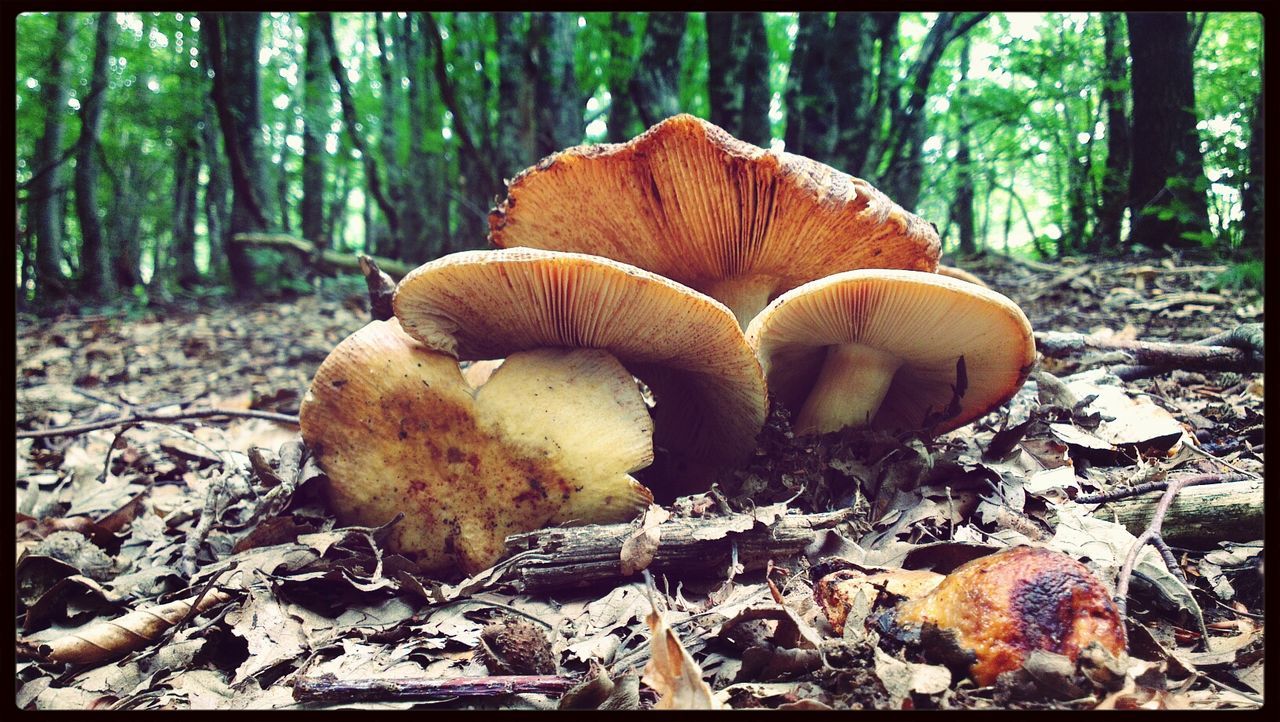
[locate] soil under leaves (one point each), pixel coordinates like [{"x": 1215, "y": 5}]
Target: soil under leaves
[{"x": 276, "y": 593}]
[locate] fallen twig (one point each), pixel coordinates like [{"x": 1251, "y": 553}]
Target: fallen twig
[
  {"x": 328, "y": 688},
  {"x": 137, "y": 418},
  {"x": 1138, "y": 489},
  {"x": 326, "y": 258},
  {"x": 1246, "y": 337},
  {"x": 1152, "y": 356}
]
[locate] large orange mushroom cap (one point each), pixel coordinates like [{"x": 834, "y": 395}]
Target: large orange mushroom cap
[
  {"x": 690, "y": 202},
  {"x": 710, "y": 392}
]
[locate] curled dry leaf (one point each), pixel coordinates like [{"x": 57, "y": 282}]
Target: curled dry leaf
[
  {"x": 671, "y": 670},
  {"x": 133, "y": 631}
]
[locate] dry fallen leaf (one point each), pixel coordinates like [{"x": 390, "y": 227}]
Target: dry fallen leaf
[
  {"x": 135, "y": 630},
  {"x": 671, "y": 671}
]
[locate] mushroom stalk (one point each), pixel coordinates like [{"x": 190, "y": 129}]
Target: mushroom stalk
[
  {"x": 746, "y": 296},
  {"x": 849, "y": 389}
]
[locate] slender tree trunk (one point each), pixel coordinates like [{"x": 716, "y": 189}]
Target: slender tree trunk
[
  {"x": 187, "y": 175},
  {"x": 902, "y": 167},
  {"x": 888, "y": 91},
  {"x": 557, "y": 100},
  {"x": 232, "y": 40},
  {"x": 962, "y": 207},
  {"x": 738, "y": 75},
  {"x": 851, "y": 58},
  {"x": 1115, "y": 180},
  {"x": 95, "y": 278},
  {"x": 623, "y": 116},
  {"x": 654, "y": 86},
  {"x": 215, "y": 192},
  {"x": 810, "y": 96},
  {"x": 1168, "y": 183},
  {"x": 315, "y": 116},
  {"x": 43, "y": 205},
  {"x": 1252, "y": 193},
  {"x": 515, "y": 94},
  {"x": 126, "y": 246}
]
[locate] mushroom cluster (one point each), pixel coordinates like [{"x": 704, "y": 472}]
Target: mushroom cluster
[{"x": 685, "y": 261}]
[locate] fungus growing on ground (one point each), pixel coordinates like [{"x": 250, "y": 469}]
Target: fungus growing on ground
[
  {"x": 690, "y": 202},
  {"x": 555, "y": 432},
  {"x": 963, "y": 275},
  {"x": 897, "y": 350},
  {"x": 1003, "y": 606}
]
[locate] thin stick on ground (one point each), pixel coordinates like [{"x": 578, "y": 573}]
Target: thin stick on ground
[
  {"x": 1126, "y": 492},
  {"x": 137, "y": 418},
  {"x": 1238, "y": 350},
  {"x": 328, "y": 688},
  {"x": 1151, "y": 532}
]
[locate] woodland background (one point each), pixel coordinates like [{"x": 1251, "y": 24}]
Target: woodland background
[{"x": 147, "y": 141}]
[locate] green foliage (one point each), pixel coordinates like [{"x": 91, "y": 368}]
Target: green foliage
[{"x": 1248, "y": 274}]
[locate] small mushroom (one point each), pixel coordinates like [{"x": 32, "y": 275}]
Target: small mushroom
[
  {"x": 899, "y": 350},
  {"x": 1001, "y": 607},
  {"x": 960, "y": 273},
  {"x": 690, "y": 202}
]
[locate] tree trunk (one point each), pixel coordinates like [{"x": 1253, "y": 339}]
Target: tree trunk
[
  {"x": 852, "y": 42},
  {"x": 42, "y": 204},
  {"x": 232, "y": 40},
  {"x": 1252, "y": 193},
  {"x": 95, "y": 278},
  {"x": 1168, "y": 183},
  {"x": 738, "y": 75},
  {"x": 187, "y": 180},
  {"x": 902, "y": 167},
  {"x": 215, "y": 192},
  {"x": 810, "y": 96},
  {"x": 516, "y": 113},
  {"x": 962, "y": 207},
  {"x": 557, "y": 100},
  {"x": 654, "y": 86},
  {"x": 622, "y": 57},
  {"x": 315, "y": 116},
  {"x": 1115, "y": 179},
  {"x": 126, "y": 246}
]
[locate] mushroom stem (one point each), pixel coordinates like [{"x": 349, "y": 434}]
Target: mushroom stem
[
  {"x": 849, "y": 389},
  {"x": 746, "y": 296}
]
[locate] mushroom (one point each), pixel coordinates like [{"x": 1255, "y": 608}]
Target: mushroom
[
  {"x": 1001, "y": 607},
  {"x": 900, "y": 350},
  {"x": 397, "y": 429},
  {"x": 960, "y": 273},
  {"x": 684, "y": 346},
  {"x": 690, "y": 202}
]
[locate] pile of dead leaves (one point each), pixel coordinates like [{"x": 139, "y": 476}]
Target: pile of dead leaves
[{"x": 194, "y": 565}]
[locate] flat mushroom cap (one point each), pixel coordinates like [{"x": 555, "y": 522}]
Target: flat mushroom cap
[
  {"x": 689, "y": 201},
  {"x": 711, "y": 399},
  {"x": 927, "y": 320}
]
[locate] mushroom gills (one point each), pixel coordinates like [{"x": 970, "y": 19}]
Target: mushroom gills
[
  {"x": 583, "y": 408},
  {"x": 849, "y": 389}
]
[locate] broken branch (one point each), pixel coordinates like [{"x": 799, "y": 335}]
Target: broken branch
[
  {"x": 139, "y": 418},
  {"x": 326, "y": 259},
  {"x": 328, "y": 688},
  {"x": 1152, "y": 356}
]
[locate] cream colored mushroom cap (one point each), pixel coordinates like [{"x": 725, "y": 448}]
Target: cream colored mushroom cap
[
  {"x": 689, "y": 201},
  {"x": 686, "y": 346},
  {"x": 927, "y": 320}
]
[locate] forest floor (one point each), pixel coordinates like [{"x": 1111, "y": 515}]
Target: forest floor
[{"x": 193, "y": 564}]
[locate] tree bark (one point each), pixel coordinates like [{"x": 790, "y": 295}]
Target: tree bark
[
  {"x": 215, "y": 193},
  {"x": 315, "y": 116},
  {"x": 1168, "y": 182},
  {"x": 852, "y": 38},
  {"x": 42, "y": 203},
  {"x": 654, "y": 86},
  {"x": 809, "y": 96},
  {"x": 962, "y": 207},
  {"x": 95, "y": 277},
  {"x": 1115, "y": 179},
  {"x": 557, "y": 100},
  {"x": 1252, "y": 193},
  {"x": 738, "y": 75},
  {"x": 232, "y": 40},
  {"x": 622, "y": 56},
  {"x": 515, "y": 95},
  {"x": 187, "y": 176}
]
